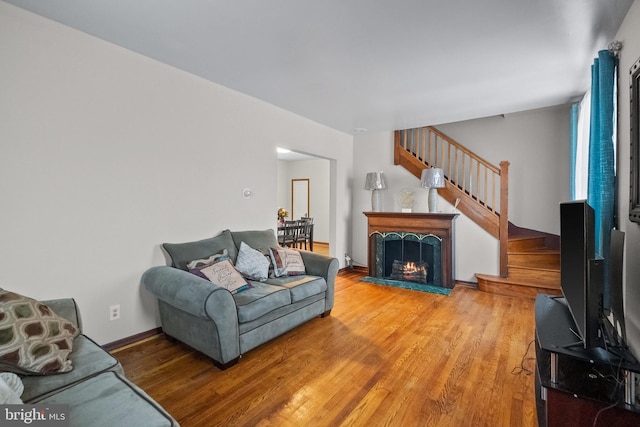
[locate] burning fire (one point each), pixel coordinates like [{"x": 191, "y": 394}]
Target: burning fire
[
  {"x": 410, "y": 271},
  {"x": 411, "y": 267}
]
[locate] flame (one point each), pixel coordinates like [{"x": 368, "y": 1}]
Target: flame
[{"x": 410, "y": 267}]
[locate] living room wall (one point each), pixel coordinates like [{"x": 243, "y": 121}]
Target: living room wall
[
  {"x": 629, "y": 34},
  {"x": 106, "y": 154}
]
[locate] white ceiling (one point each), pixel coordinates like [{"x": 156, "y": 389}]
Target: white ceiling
[{"x": 373, "y": 64}]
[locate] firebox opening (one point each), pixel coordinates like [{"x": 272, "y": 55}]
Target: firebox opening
[
  {"x": 409, "y": 257},
  {"x": 406, "y": 260}
]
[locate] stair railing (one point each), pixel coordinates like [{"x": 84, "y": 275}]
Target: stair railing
[{"x": 479, "y": 188}]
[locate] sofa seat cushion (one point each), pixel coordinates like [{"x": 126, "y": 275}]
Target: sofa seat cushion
[
  {"x": 88, "y": 359},
  {"x": 300, "y": 287},
  {"x": 280, "y": 315},
  {"x": 260, "y": 300},
  {"x": 109, "y": 400}
]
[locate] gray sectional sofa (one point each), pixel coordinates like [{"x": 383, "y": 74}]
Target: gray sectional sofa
[
  {"x": 96, "y": 390},
  {"x": 223, "y": 325}
]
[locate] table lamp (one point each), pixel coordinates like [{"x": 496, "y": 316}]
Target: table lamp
[
  {"x": 432, "y": 178},
  {"x": 375, "y": 183}
]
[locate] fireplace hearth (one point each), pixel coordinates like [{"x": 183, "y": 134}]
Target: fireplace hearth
[{"x": 412, "y": 247}]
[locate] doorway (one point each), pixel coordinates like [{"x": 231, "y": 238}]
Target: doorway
[{"x": 300, "y": 174}]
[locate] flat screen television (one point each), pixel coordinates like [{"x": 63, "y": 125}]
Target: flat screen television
[{"x": 581, "y": 273}]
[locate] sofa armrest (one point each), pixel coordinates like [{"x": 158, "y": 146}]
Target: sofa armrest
[
  {"x": 323, "y": 266},
  {"x": 191, "y": 294},
  {"x": 67, "y": 308}
]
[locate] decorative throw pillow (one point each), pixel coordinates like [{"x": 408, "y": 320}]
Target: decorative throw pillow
[
  {"x": 220, "y": 256},
  {"x": 33, "y": 339},
  {"x": 261, "y": 240},
  {"x": 11, "y": 388},
  {"x": 252, "y": 263},
  {"x": 287, "y": 262},
  {"x": 182, "y": 253},
  {"x": 222, "y": 273}
]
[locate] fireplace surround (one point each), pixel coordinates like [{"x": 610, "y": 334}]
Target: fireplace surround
[
  {"x": 408, "y": 256},
  {"x": 425, "y": 238}
]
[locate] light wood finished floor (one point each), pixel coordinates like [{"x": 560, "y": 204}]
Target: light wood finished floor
[
  {"x": 321, "y": 248},
  {"x": 385, "y": 357}
]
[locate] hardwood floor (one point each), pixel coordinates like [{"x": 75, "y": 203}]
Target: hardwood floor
[
  {"x": 385, "y": 357},
  {"x": 321, "y": 248}
]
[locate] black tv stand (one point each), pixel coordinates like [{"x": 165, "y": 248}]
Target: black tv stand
[
  {"x": 574, "y": 345},
  {"x": 573, "y": 383}
]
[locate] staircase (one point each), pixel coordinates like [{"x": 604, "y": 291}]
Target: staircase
[
  {"x": 533, "y": 266},
  {"x": 529, "y": 260}
]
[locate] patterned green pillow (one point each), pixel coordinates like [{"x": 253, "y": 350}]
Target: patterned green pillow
[{"x": 33, "y": 339}]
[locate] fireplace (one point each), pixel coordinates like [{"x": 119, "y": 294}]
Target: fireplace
[
  {"x": 407, "y": 256},
  {"x": 414, "y": 247}
]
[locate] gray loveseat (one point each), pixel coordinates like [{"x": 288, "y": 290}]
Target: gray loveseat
[
  {"x": 96, "y": 390},
  {"x": 223, "y": 325}
]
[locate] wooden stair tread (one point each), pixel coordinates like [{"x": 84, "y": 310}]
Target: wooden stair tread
[
  {"x": 513, "y": 281},
  {"x": 521, "y": 235},
  {"x": 515, "y": 287},
  {"x": 526, "y": 244},
  {"x": 542, "y": 261},
  {"x": 535, "y": 251},
  {"x": 536, "y": 269}
]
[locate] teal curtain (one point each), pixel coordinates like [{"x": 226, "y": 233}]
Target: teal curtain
[
  {"x": 601, "y": 186},
  {"x": 575, "y": 116}
]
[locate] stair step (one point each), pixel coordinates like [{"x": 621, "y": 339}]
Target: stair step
[
  {"x": 540, "y": 258},
  {"x": 525, "y": 243},
  {"x": 542, "y": 276},
  {"x": 514, "y": 287}
]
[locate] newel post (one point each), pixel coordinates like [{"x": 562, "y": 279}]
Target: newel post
[{"x": 504, "y": 217}]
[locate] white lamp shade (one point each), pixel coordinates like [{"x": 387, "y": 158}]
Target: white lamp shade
[
  {"x": 375, "y": 181},
  {"x": 432, "y": 178}
]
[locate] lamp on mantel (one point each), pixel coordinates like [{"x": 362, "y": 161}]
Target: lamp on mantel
[
  {"x": 375, "y": 183},
  {"x": 432, "y": 178}
]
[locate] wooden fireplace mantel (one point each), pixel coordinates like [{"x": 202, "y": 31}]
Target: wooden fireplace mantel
[{"x": 438, "y": 224}]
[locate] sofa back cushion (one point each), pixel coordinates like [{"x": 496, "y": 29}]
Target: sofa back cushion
[
  {"x": 260, "y": 240},
  {"x": 183, "y": 253}
]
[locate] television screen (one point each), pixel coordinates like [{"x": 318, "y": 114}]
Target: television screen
[{"x": 581, "y": 274}]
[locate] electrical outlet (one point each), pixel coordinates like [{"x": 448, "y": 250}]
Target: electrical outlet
[
  {"x": 347, "y": 260},
  {"x": 114, "y": 312}
]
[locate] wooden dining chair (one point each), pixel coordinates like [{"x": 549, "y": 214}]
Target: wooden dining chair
[
  {"x": 305, "y": 232},
  {"x": 290, "y": 233}
]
